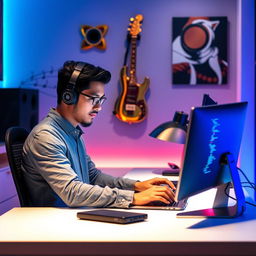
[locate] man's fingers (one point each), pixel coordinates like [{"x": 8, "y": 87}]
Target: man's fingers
[
  {"x": 166, "y": 196},
  {"x": 164, "y": 191},
  {"x": 162, "y": 199},
  {"x": 170, "y": 194},
  {"x": 170, "y": 184},
  {"x": 155, "y": 193},
  {"x": 158, "y": 181}
]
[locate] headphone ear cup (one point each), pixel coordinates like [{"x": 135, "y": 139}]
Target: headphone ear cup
[{"x": 69, "y": 97}]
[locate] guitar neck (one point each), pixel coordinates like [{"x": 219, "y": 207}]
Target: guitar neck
[{"x": 133, "y": 78}]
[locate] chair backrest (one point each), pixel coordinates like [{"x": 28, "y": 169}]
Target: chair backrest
[{"x": 14, "y": 140}]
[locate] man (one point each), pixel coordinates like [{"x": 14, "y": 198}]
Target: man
[{"x": 56, "y": 167}]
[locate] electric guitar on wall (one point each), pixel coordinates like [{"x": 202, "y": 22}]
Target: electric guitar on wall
[{"x": 131, "y": 106}]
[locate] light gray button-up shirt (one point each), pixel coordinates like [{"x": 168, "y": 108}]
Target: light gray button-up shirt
[{"x": 58, "y": 172}]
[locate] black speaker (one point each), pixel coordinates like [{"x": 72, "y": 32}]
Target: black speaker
[{"x": 18, "y": 107}]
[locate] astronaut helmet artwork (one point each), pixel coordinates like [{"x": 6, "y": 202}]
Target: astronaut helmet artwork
[{"x": 199, "y": 50}]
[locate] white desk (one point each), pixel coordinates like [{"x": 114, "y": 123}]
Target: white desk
[{"x": 55, "y": 231}]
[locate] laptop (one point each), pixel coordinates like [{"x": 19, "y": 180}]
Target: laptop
[{"x": 158, "y": 205}]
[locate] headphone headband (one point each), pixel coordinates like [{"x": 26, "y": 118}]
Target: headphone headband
[{"x": 77, "y": 70}]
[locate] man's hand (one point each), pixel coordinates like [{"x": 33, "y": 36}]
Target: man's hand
[
  {"x": 143, "y": 185},
  {"x": 154, "y": 193}
]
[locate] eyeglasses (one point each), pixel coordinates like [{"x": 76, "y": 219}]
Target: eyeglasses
[{"x": 95, "y": 100}]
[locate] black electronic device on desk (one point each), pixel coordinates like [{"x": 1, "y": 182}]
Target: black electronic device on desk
[
  {"x": 173, "y": 170},
  {"x": 119, "y": 217}
]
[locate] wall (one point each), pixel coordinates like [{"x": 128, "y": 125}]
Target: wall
[
  {"x": 247, "y": 67},
  {"x": 42, "y": 34}
]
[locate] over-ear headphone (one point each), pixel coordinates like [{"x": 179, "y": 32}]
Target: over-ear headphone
[{"x": 69, "y": 96}]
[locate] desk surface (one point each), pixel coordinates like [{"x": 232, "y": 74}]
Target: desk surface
[{"x": 56, "y": 231}]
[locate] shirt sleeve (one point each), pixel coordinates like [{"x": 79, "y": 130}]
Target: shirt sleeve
[
  {"x": 99, "y": 178},
  {"x": 49, "y": 158}
]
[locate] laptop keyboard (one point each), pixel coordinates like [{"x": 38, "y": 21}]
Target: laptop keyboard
[{"x": 159, "y": 203}]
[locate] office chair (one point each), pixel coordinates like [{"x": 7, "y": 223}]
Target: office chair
[{"x": 14, "y": 140}]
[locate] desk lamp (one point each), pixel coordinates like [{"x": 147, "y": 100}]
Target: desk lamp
[{"x": 174, "y": 131}]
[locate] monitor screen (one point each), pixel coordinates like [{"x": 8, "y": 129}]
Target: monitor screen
[{"x": 213, "y": 131}]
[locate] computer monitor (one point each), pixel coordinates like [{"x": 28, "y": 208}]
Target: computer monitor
[{"x": 210, "y": 157}]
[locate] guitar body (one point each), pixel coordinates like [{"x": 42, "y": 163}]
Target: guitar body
[{"x": 131, "y": 105}]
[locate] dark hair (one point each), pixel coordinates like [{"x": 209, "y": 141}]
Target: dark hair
[{"x": 88, "y": 74}]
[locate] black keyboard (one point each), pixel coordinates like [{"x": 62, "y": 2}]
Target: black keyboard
[{"x": 159, "y": 203}]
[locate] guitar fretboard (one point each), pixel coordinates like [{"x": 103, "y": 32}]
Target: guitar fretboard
[{"x": 133, "y": 78}]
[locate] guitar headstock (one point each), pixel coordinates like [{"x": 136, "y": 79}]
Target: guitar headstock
[{"x": 135, "y": 25}]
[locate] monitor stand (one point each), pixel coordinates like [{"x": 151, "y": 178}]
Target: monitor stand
[{"x": 220, "y": 206}]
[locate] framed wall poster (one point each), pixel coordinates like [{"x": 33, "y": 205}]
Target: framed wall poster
[{"x": 199, "y": 50}]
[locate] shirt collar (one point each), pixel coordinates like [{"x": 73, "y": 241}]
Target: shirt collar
[{"x": 65, "y": 124}]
